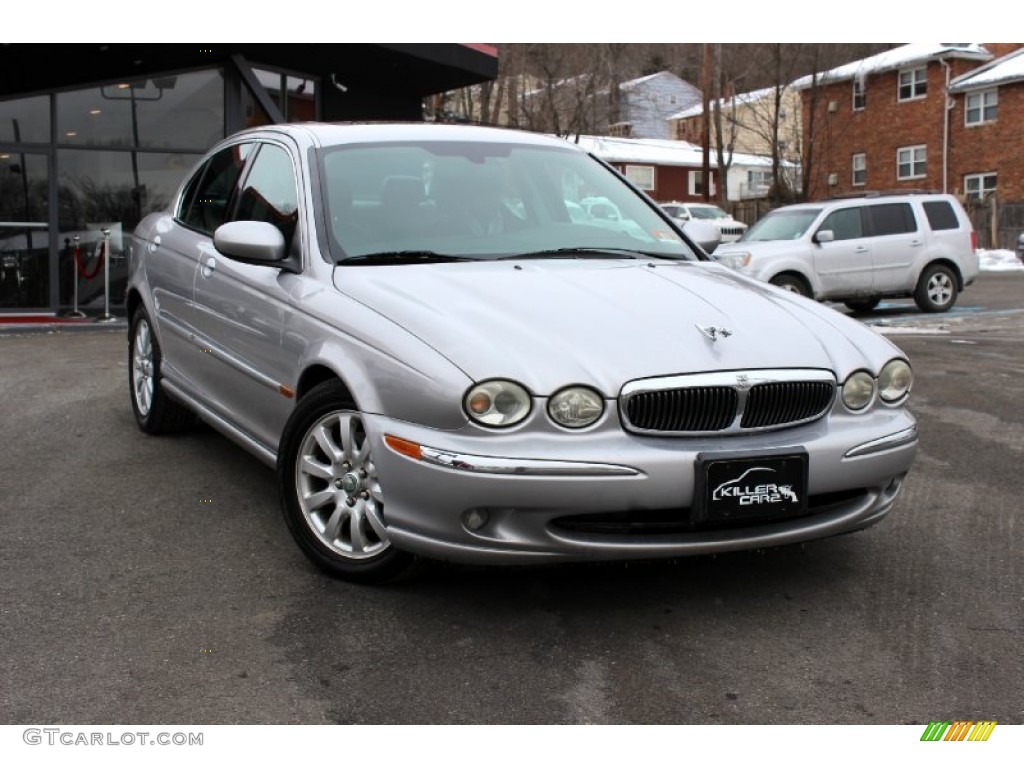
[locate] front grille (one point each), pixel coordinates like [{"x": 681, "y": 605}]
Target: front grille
[
  {"x": 732, "y": 230},
  {"x": 727, "y": 402},
  {"x": 786, "y": 402},
  {"x": 700, "y": 409}
]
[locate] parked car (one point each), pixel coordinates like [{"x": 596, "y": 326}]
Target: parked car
[
  {"x": 1020, "y": 247},
  {"x": 861, "y": 250},
  {"x": 730, "y": 228},
  {"x": 457, "y": 368}
]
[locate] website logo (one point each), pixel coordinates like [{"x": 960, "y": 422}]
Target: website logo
[
  {"x": 958, "y": 730},
  {"x": 754, "y": 493}
]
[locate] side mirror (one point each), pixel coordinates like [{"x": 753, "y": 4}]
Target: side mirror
[
  {"x": 707, "y": 236},
  {"x": 824, "y": 236},
  {"x": 254, "y": 242}
]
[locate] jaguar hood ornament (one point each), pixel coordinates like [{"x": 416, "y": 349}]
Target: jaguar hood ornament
[{"x": 713, "y": 332}]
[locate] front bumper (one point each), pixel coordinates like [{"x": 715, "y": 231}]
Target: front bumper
[{"x": 517, "y": 498}]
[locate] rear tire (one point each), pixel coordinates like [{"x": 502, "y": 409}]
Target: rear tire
[
  {"x": 937, "y": 289},
  {"x": 331, "y": 496},
  {"x": 155, "y": 412},
  {"x": 862, "y": 305}
]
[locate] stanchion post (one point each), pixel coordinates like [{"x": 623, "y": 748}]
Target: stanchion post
[
  {"x": 106, "y": 317},
  {"x": 75, "y": 311}
]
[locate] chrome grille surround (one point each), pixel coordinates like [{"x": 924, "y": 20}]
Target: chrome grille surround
[{"x": 726, "y": 402}]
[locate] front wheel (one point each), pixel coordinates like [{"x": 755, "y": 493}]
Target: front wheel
[
  {"x": 791, "y": 283},
  {"x": 331, "y": 496},
  {"x": 937, "y": 289}
]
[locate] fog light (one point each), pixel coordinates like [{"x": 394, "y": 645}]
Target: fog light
[{"x": 474, "y": 519}]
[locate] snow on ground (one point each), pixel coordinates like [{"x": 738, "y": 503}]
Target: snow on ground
[{"x": 999, "y": 261}]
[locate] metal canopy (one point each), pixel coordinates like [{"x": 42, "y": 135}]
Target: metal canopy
[{"x": 390, "y": 70}]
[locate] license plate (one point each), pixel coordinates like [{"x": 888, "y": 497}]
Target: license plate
[{"x": 744, "y": 488}]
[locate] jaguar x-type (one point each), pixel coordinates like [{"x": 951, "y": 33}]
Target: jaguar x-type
[{"x": 443, "y": 354}]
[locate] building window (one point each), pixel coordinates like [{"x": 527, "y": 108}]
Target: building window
[
  {"x": 981, "y": 107},
  {"x": 913, "y": 84},
  {"x": 859, "y": 99},
  {"x": 860, "y": 169},
  {"x": 911, "y": 162},
  {"x": 697, "y": 184},
  {"x": 980, "y": 185},
  {"x": 759, "y": 183},
  {"x": 642, "y": 176}
]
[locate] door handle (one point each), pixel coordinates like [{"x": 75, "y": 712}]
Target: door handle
[
  {"x": 209, "y": 266},
  {"x": 860, "y": 249},
  {"x": 915, "y": 242}
]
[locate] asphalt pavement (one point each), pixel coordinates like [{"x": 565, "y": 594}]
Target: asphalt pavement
[{"x": 152, "y": 580}]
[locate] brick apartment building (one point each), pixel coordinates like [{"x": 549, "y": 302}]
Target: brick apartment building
[{"x": 922, "y": 116}]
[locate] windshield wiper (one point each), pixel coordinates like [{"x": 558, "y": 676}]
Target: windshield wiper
[
  {"x": 585, "y": 253},
  {"x": 404, "y": 257}
]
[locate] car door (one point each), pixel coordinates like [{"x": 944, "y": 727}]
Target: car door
[
  {"x": 240, "y": 308},
  {"x": 896, "y": 242},
  {"x": 174, "y": 252},
  {"x": 843, "y": 265}
]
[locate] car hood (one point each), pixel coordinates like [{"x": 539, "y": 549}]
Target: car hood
[
  {"x": 764, "y": 247},
  {"x": 552, "y": 323}
]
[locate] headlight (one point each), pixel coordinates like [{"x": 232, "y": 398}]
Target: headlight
[
  {"x": 497, "y": 403},
  {"x": 575, "y": 407},
  {"x": 894, "y": 381},
  {"x": 858, "y": 390},
  {"x": 734, "y": 260}
]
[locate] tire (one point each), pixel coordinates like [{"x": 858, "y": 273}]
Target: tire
[
  {"x": 792, "y": 283},
  {"x": 862, "y": 305},
  {"x": 330, "y": 493},
  {"x": 155, "y": 412},
  {"x": 937, "y": 289}
]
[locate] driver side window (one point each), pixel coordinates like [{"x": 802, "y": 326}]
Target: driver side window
[
  {"x": 846, "y": 224},
  {"x": 269, "y": 192}
]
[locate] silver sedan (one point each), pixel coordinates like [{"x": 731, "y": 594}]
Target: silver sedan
[{"x": 444, "y": 355}]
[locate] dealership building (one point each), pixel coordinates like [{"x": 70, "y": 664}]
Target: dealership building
[{"x": 94, "y": 137}]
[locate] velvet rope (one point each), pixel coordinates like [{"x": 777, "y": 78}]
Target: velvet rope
[{"x": 82, "y": 271}]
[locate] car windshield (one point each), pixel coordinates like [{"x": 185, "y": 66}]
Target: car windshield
[
  {"x": 781, "y": 225},
  {"x": 483, "y": 200},
  {"x": 707, "y": 212}
]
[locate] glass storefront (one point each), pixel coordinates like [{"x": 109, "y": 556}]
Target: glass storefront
[
  {"x": 87, "y": 165},
  {"x": 24, "y": 231}
]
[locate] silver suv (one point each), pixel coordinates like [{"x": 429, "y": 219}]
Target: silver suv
[{"x": 861, "y": 250}]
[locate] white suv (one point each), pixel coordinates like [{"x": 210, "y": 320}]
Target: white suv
[
  {"x": 861, "y": 250},
  {"x": 730, "y": 228}
]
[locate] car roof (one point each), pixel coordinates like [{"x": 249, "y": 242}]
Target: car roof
[
  {"x": 331, "y": 134},
  {"x": 882, "y": 197}
]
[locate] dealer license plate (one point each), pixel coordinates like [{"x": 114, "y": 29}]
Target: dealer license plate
[{"x": 741, "y": 488}]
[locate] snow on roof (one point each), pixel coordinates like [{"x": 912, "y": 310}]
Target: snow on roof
[
  {"x": 636, "y": 81},
  {"x": 740, "y": 98},
  {"x": 1006, "y": 69},
  {"x": 895, "y": 58},
  {"x": 660, "y": 152}
]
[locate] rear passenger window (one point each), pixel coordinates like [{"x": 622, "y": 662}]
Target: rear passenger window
[
  {"x": 941, "y": 215},
  {"x": 845, "y": 224},
  {"x": 205, "y": 204},
  {"x": 891, "y": 219}
]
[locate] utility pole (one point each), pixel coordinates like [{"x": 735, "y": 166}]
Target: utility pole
[{"x": 706, "y": 95}]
